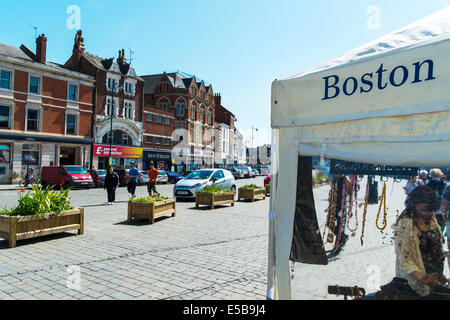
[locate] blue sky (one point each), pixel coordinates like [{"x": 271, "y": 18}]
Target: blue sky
[{"x": 239, "y": 46}]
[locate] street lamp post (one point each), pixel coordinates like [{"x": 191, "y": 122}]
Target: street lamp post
[{"x": 111, "y": 121}]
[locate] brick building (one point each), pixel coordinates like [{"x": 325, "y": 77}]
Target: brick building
[
  {"x": 45, "y": 112},
  {"x": 118, "y": 93},
  {"x": 225, "y": 147},
  {"x": 179, "y": 115}
]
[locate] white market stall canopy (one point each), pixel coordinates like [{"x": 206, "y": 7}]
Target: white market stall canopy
[
  {"x": 387, "y": 102},
  {"x": 394, "y": 91}
]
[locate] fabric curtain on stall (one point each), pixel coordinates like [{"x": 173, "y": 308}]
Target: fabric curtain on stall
[{"x": 307, "y": 245}]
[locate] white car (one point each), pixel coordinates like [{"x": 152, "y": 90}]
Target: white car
[{"x": 199, "y": 179}]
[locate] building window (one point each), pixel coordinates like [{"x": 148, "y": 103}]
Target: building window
[
  {"x": 180, "y": 109},
  {"x": 72, "y": 96},
  {"x": 113, "y": 83},
  {"x": 71, "y": 124},
  {"x": 168, "y": 121},
  {"x": 127, "y": 110},
  {"x": 149, "y": 117},
  {"x": 209, "y": 117},
  {"x": 167, "y": 141},
  {"x": 191, "y": 134},
  {"x": 34, "y": 85},
  {"x": 32, "y": 120},
  {"x": 129, "y": 88},
  {"x": 193, "y": 115},
  {"x": 159, "y": 119},
  {"x": 4, "y": 117},
  {"x": 119, "y": 138},
  {"x": 202, "y": 116},
  {"x": 5, "y": 80},
  {"x": 30, "y": 154},
  {"x": 158, "y": 140}
]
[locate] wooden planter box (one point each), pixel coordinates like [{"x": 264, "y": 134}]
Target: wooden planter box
[
  {"x": 151, "y": 210},
  {"x": 19, "y": 228},
  {"x": 252, "y": 194},
  {"x": 214, "y": 199},
  {"x": 267, "y": 190}
]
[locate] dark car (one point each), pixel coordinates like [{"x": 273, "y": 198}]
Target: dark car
[
  {"x": 237, "y": 174},
  {"x": 98, "y": 176},
  {"x": 123, "y": 176},
  {"x": 174, "y": 177}
]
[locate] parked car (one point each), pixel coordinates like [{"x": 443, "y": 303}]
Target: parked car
[
  {"x": 123, "y": 176},
  {"x": 255, "y": 172},
  {"x": 143, "y": 179},
  {"x": 174, "y": 177},
  {"x": 66, "y": 176},
  {"x": 245, "y": 172},
  {"x": 199, "y": 179},
  {"x": 237, "y": 173},
  {"x": 264, "y": 171},
  {"x": 98, "y": 176},
  {"x": 162, "y": 177}
]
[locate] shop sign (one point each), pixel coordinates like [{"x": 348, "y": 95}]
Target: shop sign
[
  {"x": 348, "y": 167},
  {"x": 158, "y": 156},
  {"x": 118, "y": 152}
]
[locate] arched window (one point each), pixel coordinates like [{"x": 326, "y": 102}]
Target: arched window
[
  {"x": 180, "y": 107},
  {"x": 118, "y": 138},
  {"x": 193, "y": 113},
  {"x": 202, "y": 115},
  {"x": 163, "y": 104}
]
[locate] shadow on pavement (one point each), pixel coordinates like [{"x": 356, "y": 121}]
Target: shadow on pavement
[
  {"x": 140, "y": 222},
  {"x": 4, "y": 244},
  {"x": 102, "y": 204}
]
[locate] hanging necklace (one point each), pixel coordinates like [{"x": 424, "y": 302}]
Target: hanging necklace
[
  {"x": 350, "y": 213},
  {"x": 331, "y": 216},
  {"x": 366, "y": 201},
  {"x": 382, "y": 204},
  {"x": 342, "y": 213}
]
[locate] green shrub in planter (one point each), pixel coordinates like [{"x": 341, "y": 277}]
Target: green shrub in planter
[
  {"x": 149, "y": 199},
  {"x": 39, "y": 202},
  {"x": 213, "y": 189}
]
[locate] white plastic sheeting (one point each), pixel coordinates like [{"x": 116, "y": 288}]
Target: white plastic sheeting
[{"x": 387, "y": 102}]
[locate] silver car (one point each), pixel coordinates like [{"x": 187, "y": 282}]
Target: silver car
[{"x": 199, "y": 179}]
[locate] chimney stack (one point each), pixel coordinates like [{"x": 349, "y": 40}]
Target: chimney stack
[
  {"x": 218, "y": 99},
  {"x": 41, "y": 48}
]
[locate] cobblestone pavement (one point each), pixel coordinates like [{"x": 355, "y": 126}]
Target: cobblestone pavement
[{"x": 200, "y": 254}]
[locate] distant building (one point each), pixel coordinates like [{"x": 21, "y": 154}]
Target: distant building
[
  {"x": 45, "y": 112},
  {"x": 118, "y": 78},
  {"x": 190, "y": 106},
  {"x": 224, "y": 135}
]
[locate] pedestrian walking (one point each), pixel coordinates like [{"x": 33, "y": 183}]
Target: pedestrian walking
[
  {"x": 152, "y": 176},
  {"x": 445, "y": 210},
  {"x": 133, "y": 176},
  {"x": 437, "y": 184},
  {"x": 111, "y": 183}
]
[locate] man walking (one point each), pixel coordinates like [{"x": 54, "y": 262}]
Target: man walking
[
  {"x": 152, "y": 176},
  {"x": 133, "y": 175}
]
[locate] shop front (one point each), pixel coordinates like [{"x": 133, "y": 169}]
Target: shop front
[
  {"x": 162, "y": 159},
  {"x": 19, "y": 153},
  {"x": 5, "y": 163},
  {"x": 121, "y": 156}
]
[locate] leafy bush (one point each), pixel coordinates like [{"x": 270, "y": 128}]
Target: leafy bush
[
  {"x": 213, "y": 189},
  {"x": 251, "y": 187},
  {"x": 41, "y": 201},
  {"x": 149, "y": 199}
]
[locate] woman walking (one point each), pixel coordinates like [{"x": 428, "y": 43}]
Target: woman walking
[{"x": 111, "y": 183}]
